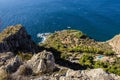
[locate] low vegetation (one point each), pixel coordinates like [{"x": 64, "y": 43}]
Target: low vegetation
[
  {"x": 25, "y": 56},
  {"x": 87, "y": 60},
  {"x": 9, "y": 31},
  {"x": 76, "y": 42}
]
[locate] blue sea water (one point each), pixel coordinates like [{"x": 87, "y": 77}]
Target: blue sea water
[{"x": 100, "y": 19}]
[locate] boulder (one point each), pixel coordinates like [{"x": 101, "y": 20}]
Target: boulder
[{"x": 42, "y": 62}]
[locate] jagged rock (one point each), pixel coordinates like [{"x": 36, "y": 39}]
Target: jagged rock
[
  {"x": 42, "y": 62},
  {"x": 13, "y": 64},
  {"x": 15, "y": 38},
  {"x": 4, "y": 57}
]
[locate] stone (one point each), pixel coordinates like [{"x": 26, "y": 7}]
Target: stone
[
  {"x": 13, "y": 64},
  {"x": 97, "y": 74},
  {"x": 42, "y": 62},
  {"x": 72, "y": 73}
]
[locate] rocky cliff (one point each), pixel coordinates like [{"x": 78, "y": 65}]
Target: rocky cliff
[
  {"x": 65, "y": 55},
  {"x": 15, "y": 38}
]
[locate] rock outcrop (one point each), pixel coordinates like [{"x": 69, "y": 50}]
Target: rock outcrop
[
  {"x": 42, "y": 62},
  {"x": 93, "y": 74},
  {"x": 15, "y": 38},
  {"x": 9, "y": 62},
  {"x": 115, "y": 43}
]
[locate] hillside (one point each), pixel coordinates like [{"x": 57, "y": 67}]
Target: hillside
[
  {"x": 77, "y": 47},
  {"x": 65, "y": 55}
]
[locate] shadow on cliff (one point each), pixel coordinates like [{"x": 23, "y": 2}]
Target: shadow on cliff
[
  {"x": 22, "y": 42},
  {"x": 63, "y": 62},
  {"x": 18, "y": 42}
]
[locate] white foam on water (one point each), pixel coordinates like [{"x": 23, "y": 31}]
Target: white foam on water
[{"x": 43, "y": 36}]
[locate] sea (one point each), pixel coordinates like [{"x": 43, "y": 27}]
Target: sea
[{"x": 100, "y": 19}]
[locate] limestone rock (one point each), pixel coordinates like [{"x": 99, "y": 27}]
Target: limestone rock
[
  {"x": 13, "y": 64},
  {"x": 72, "y": 73},
  {"x": 97, "y": 74},
  {"x": 42, "y": 62},
  {"x": 93, "y": 74},
  {"x": 4, "y": 58}
]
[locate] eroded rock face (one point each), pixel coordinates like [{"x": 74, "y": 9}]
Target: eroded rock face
[
  {"x": 115, "y": 43},
  {"x": 15, "y": 38},
  {"x": 42, "y": 62}
]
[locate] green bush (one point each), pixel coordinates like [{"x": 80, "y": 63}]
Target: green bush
[
  {"x": 25, "y": 56},
  {"x": 87, "y": 60},
  {"x": 109, "y": 53},
  {"x": 108, "y": 67},
  {"x": 64, "y": 56},
  {"x": 100, "y": 64},
  {"x": 86, "y": 49}
]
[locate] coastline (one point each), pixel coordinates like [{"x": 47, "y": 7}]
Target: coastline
[{"x": 43, "y": 36}]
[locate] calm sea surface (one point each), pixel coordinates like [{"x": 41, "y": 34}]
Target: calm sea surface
[{"x": 100, "y": 19}]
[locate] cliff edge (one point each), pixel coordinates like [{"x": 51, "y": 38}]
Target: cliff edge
[{"x": 15, "y": 38}]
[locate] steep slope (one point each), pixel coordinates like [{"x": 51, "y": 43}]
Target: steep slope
[{"x": 15, "y": 38}]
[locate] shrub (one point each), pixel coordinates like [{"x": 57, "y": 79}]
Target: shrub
[
  {"x": 100, "y": 64},
  {"x": 25, "y": 56},
  {"x": 109, "y": 53},
  {"x": 87, "y": 60},
  {"x": 64, "y": 56}
]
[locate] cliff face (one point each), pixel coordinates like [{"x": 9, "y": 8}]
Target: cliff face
[
  {"x": 115, "y": 43},
  {"x": 15, "y": 38}
]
